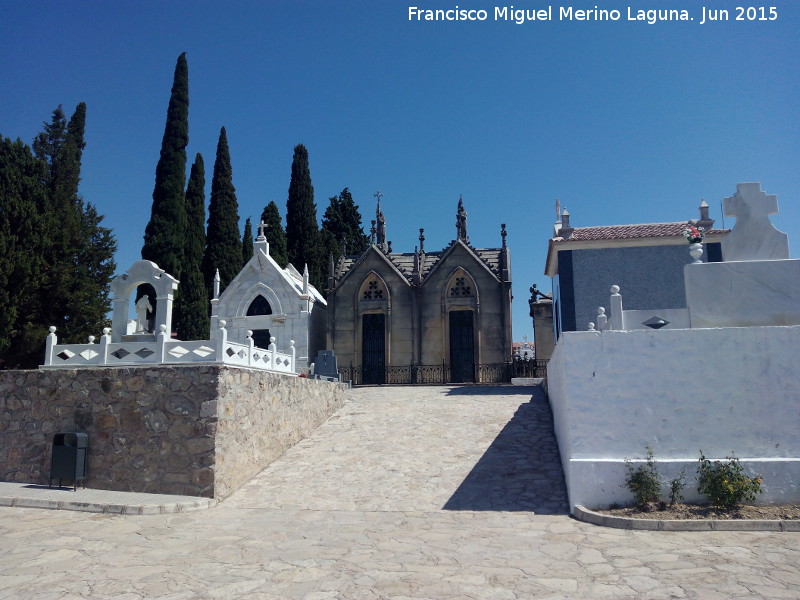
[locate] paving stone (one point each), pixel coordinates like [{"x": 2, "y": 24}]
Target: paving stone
[{"x": 429, "y": 492}]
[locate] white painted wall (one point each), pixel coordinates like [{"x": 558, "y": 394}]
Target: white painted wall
[{"x": 678, "y": 391}]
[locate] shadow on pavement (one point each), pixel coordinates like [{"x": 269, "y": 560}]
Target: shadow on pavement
[
  {"x": 472, "y": 389},
  {"x": 521, "y": 470}
]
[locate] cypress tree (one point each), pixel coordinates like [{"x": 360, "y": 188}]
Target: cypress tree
[
  {"x": 192, "y": 301},
  {"x": 275, "y": 234},
  {"x": 223, "y": 244},
  {"x": 301, "y": 220},
  {"x": 247, "y": 242},
  {"x": 164, "y": 235}
]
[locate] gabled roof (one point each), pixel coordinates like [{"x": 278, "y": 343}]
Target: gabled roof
[
  {"x": 403, "y": 262},
  {"x": 349, "y": 264},
  {"x": 488, "y": 257},
  {"x": 262, "y": 262}
]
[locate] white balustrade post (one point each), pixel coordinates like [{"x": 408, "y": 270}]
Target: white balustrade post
[
  {"x": 162, "y": 340},
  {"x": 591, "y": 326},
  {"x": 615, "y": 302},
  {"x": 221, "y": 339},
  {"x": 291, "y": 345},
  {"x": 105, "y": 340},
  {"x": 50, "y": 344},
  {"x": 272, "y": 350},
  {"x": 602, "y": 319},
  {"x": 250, "y": 344}
]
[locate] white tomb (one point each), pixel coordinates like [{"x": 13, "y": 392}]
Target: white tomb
[
  {"x": 272, "y": 302},
  {"x": 720, "y": 375}
]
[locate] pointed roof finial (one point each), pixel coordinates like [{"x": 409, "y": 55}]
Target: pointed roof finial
[
  {"x": 422, "y": 240},
  {"x": 372, "y": 232},
  {"x": 503, "y": 233},
  {"x": 216, "y": 284}
]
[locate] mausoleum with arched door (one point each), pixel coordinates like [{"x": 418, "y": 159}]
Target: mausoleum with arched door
[
  {"x": 272, "y": 302},
  {"x": 421, "y": 317}
]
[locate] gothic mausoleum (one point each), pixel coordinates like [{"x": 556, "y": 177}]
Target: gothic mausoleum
[{"x": 421, "y": 317}]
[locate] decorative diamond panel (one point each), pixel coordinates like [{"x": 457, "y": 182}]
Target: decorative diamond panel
[
  {"x": 230, "y": 352},
  {"x": 655, "y": 322},
  {"x": 242, "y": 353},
  {"x": 65, "y": 355},
  {"x": 178, "y": 351},
  {"x": 120, "y": 354},
  {"x": 203, "y": 351},
  {"x": 256, "y": 356},
  {"x": 88, "y": 354},
  {"x": 144, "y": 353}
]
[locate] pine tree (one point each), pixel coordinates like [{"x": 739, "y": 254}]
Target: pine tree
[
  {"x": 23, "y": 198},
  {"x": 192, "y": 300},
  {"x": 343, "y": 220},
  {"x": 78, "y": 251},
  {"x": 275, "y": 234},
  {"x": 57, "y": 261},
  {"x": 89, "y": 249},
  {"x": 223, "y": 244},
  {"x": 89, "y": 302},
  {"x": 164, "y": 235},
  {"x": 302, "y": 231},
  {"x": 247, "y": 242}
]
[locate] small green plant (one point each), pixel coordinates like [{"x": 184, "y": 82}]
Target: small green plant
[
  {"x": 676, "y": 489},
  {"x": 725, "y": 483},
  {"x": 644, "y": 482}
]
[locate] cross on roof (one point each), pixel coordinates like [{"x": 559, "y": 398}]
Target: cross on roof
[
  {"x": 750, "y": 202},
  {"x": 378, "y": 195},
  {"x": 261, "y": 227}
]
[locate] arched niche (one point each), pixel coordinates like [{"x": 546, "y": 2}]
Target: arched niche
[
  {"x": 251, "y": 295},
  {"x": 123, "y": 286}
]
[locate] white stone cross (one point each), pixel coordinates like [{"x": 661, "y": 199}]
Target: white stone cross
[
  {"x": 261, "y": 227},
  {"x": 753, "y": 237}
]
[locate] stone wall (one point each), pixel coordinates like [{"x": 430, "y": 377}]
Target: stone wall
[{"x": 194, "y": 430}]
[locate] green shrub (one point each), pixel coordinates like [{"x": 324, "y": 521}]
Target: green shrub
[
  {"x": 676, "y": 489},
  {"x": 644, "y": 482},
  {"x": 725, "y": 483}
]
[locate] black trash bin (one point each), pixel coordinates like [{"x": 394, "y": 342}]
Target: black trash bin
[{"x": 69, "y": 458}]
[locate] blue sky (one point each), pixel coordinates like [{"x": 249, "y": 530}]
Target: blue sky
[{"x": 624, "y": 121}]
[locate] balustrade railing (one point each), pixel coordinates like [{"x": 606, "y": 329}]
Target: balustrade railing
[{"x": 168, "y": 352}]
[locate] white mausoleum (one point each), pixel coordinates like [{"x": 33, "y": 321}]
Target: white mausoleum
[{"x": 272, "y": 302}]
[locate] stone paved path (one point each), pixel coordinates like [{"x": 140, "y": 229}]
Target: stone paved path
[{"x": 383, "y": 501}]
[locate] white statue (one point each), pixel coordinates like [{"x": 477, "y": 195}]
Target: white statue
[{"x": 142, "y": 306}]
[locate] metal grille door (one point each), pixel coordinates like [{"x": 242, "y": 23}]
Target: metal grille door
[
  {"x": 373, "y": 359},
  {"x": 462, "y": 346}
]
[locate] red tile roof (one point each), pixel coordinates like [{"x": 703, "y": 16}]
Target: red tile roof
[{"x": 623, "y": 232}]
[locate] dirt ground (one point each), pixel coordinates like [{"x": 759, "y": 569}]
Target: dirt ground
[{"x": 692, "y": 511}]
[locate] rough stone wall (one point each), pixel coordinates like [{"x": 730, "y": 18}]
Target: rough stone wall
[
  {"x": 260, "y": 415},
  {"x": 196, "y": 430}
]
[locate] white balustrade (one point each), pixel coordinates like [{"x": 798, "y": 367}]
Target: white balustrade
[{"x": 168, "y": 352}]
